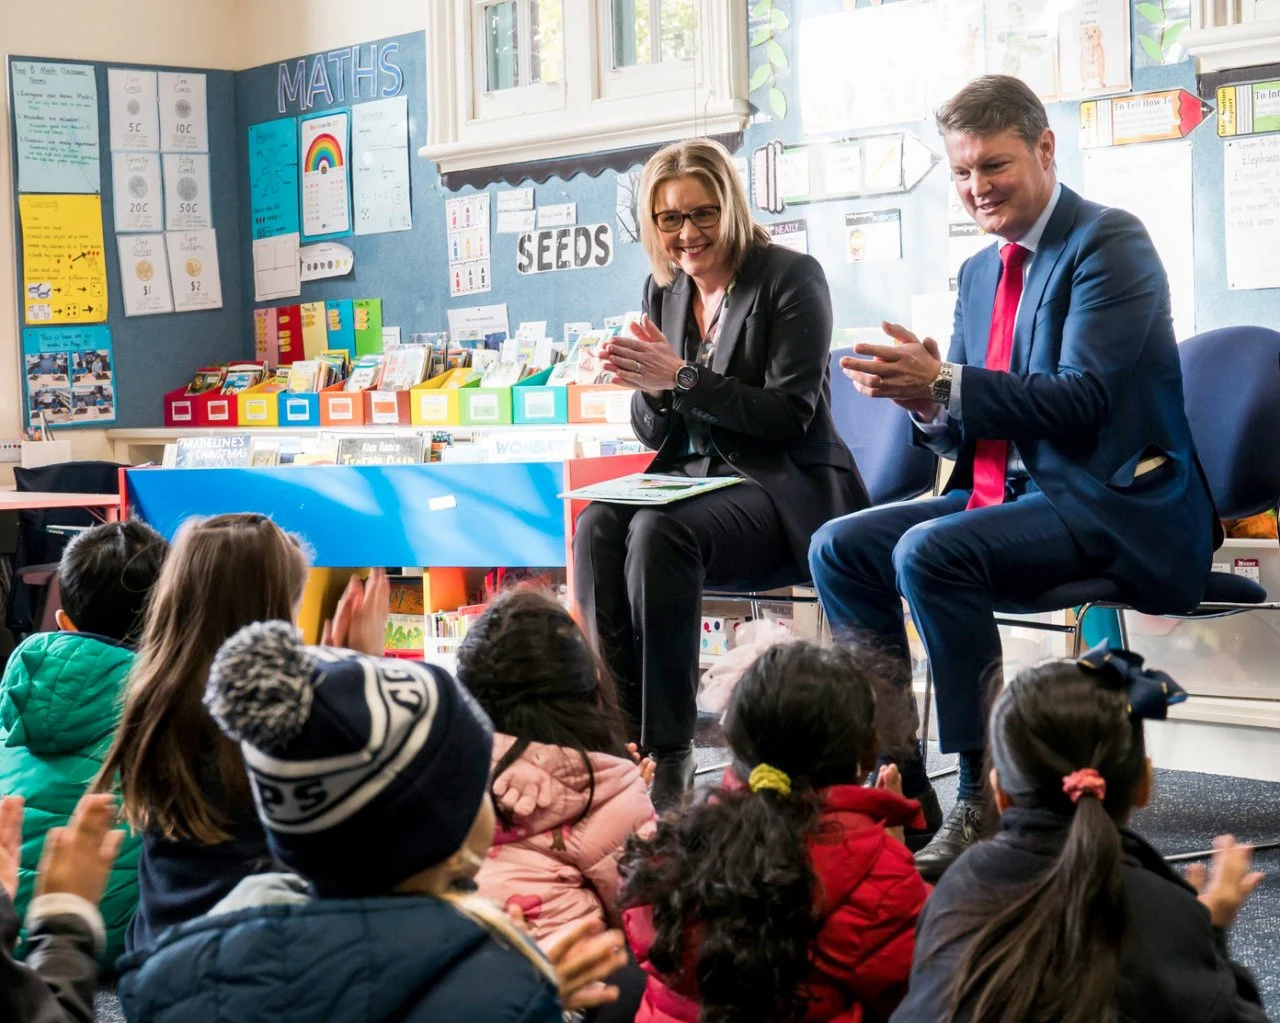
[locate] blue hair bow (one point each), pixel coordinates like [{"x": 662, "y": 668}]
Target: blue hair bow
[{"x": 1151, "y": 693}]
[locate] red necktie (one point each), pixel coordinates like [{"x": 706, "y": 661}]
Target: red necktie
[{"x": 992, "y": 456}]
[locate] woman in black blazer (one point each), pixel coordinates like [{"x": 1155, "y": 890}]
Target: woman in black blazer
[{"x": 729, "y": 365}]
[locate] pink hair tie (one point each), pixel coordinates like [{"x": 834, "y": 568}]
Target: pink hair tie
[{"x": 1087, "y": 782}]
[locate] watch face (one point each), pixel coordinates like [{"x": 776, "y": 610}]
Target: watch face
[{"x": 687, "y": 376}]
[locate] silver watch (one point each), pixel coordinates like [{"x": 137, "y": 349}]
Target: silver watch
[{"x": 940, "y": 389}]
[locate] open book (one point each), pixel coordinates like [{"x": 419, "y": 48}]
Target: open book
[{"x": 647, "y": 488}]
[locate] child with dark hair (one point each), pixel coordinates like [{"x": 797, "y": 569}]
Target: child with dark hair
[
  {"x": 567, "y": 791},
  {"x": 371, "y": 781},
  {"x": 788, "y": 894},
  {"x": 1067, "y": 915},
  {"x": 61, "y": 694}
]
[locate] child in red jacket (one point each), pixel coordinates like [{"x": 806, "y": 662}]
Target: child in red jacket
[{"x": 791, "y": 897}]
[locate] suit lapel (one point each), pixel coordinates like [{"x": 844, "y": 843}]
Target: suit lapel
[
  {"x": 675, "y": 313},
  {"x": 741, "y": 301},
  {"x": 982, "y": 295},
  {"x": 1052, "y": 244}
]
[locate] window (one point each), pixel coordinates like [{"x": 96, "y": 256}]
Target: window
[{"x": 514, "y": 81}]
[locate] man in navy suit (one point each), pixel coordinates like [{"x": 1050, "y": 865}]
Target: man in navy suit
[{"x": 1061, "y": 403}]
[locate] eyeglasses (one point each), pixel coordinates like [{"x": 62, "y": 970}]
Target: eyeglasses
[{"x": 671, "y": 221}]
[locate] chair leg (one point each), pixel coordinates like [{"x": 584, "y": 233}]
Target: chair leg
[
  {"x": 924, "y": 723},
  {"x": 713, "y": 768}
]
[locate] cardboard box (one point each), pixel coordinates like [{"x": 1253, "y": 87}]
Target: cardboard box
[
  {"x": 386, "y": 408},
  {"x": 437, "y": 402},
  {"x": 599, "y": 403},
  {"x": 533, "y": 402},
  {"x": 191, "y": 410},
  {"x": 259, "y": 406},
  {"x": 484, "y": 406},
  {"x": 299, "y": 409},
  {"x": 341, "y": 408}
]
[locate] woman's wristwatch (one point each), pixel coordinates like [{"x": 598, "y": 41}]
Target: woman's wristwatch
[
  {"x": 687, "y": 377},
  {"x": 940, "y": 389}
]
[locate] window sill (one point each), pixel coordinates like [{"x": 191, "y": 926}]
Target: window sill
[
  {"x": 498, "y": 144},
  {"x": 1227, "y": 47}
]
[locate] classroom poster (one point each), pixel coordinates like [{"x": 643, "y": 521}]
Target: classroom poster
[
  {"x": 276, "y": 268},
  {"x": 790, "y": 234},
  {"x": 55, "y": 121},
  {"x": 70, "y": 375},
  {"x": 326, "y": 186},
  {"x": 64, "y": 274},
  {"x": 380, "y": 165},
  {"x": 144, "y": 275},
  {"x": 273, "y": 177},
  {"x": 1155, "y": 184},
  {"x": 184, "y": 112},
  {"x": 368, "y": 326},
  {"x": 134, "y": 110},
  {"x": 139, "y": 202},
  {"x": 467, "y": 237},
  {"x": 193, "y": 270},
  {"x": 315, "y": 332},
  {"x": 873, "y": 236},
  {"x": 266, "y": 340},
  {"x": 187, "y": 202},
  {"x": 1251, "y": 209},
  {"x": 340, "y": 324}
]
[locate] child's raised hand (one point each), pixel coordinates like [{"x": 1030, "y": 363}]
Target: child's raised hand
[
  {"x": 11, "y": 810},
  {"x": 583, "y": 956},
  {"x": 78, "y": 858},
  {"x": 648, "y": 766},
  {"x": 522, "y": 788},
  {"x": 1228, "y": 881},
  {"x": 360, "y": 621}
]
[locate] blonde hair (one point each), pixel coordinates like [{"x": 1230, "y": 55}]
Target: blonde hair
[
  {"x": 710, "y": 163},
  {"x": 503, "y": 929},
  {"x": 222, "y": 573}
]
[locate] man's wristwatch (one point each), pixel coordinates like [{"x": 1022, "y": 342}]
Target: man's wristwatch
[
  {"x": 687, "y": 377},
  {"x": 940, "y": 389}
]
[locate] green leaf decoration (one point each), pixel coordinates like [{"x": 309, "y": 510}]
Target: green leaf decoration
[
  {"x": 1172, "y": 33},
  {"x": 1154, "y": 13},
  {"x": 762, "y": 8},
  {"x": 762, "y": 35},
  {"x": 759, "y": 77},
  {"x": 777, "y": 56},
  {"x": 778, "y": 102},
  {"x": 779, "y": 20},
  {"x": 1152, "y": 47}
]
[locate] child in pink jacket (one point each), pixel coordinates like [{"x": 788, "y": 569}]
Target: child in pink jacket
[{"x": 567, "y": 791}]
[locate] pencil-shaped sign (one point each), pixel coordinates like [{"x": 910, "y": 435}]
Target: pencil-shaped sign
[
  {"x": 852, "y": 168},
  {"x": 1144, "y": 117},
  {"x": 1248, "y": 109}
]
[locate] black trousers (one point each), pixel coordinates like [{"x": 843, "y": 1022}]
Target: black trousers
[{"x": 639, "y": 574}]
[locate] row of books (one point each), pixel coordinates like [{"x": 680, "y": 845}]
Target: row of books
[{"x": 240, "y": 450}]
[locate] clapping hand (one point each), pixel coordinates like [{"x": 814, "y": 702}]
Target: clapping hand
[
  {"x": 78, "y": 858},
  {"x": 583, "y": 956},
  {"x": 901, "y": 372},
  {"x": 11, "y": 810},
  {"x": 1227, "y": 882},
  {"x": 645, "y": 360},
  {"x": 360, "y": 621}
]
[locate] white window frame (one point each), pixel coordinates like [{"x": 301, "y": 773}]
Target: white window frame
[
  {"x": 1230, "y": 34},
  {"x": 594, "y": 107}
]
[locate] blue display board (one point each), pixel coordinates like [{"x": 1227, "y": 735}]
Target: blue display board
[{"x": 394, "y": 515}]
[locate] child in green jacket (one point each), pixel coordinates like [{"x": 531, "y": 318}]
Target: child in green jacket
[{"x": 61, "y": 696}]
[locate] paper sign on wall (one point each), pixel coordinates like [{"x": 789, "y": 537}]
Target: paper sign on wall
[
  {"x": 380, "y": 165},
  {"x": 368, "y": 325},
  {"x": 273, "y": 177},
  {"x": 139, "y": 203},
  {"x": 340, "y": 323},
  {"x": 873, "y": 236},
  {"x": 467, "y": 237},
  {"x": 55, "y": 122},
  {"x": 70, "y": 375},
  {"x": 144, "y": 275},
  {"x": 327, "y": 259},
  {"x": 315, "y": 332},
  {"x": 791, "y": 234},
  {"x": 184, "y": 112},
  {"x": 275, "y": 267},
  {"x": 1251, "y": 209},
  {"x": 266, "y": 342},
  {"x": 1248, "y": 108},
  {"x": 135, "y": 112},
  {"x": 187, "y": 205},
  {"x": 564, "y": 248},
  {"x": 193, "y": 270},
  {"x": 63, "y": 266},
  {"x": 563, "y": 214},
  {"x": 326, "y": 184}
]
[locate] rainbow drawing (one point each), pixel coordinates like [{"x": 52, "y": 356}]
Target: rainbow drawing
[{"x": 323, "y": 153}]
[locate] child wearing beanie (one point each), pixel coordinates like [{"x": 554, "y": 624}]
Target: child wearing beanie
[{"x": 370, "y": 777}]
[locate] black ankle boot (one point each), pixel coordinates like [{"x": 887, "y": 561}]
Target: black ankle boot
[{"x": 672, "y": 779}]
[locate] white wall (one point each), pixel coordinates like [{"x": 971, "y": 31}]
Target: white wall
[
  {"x": 277, "y": 29},
  {"x": 227, "y": 34},
  {"x": 197, "y": 33}
]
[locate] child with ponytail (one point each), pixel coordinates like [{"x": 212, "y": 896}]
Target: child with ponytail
[
  {"x": 1066, "y": 915},
  {"x": 788, "y": 894}
]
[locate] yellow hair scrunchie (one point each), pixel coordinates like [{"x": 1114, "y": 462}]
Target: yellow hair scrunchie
[{"x": 763, "y": 776}]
